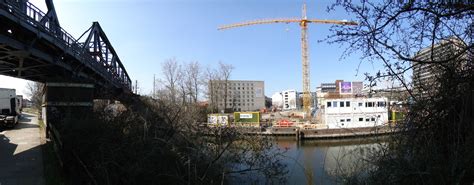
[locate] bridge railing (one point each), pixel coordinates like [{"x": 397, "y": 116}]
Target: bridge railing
[{"x": 31, "y": 14}]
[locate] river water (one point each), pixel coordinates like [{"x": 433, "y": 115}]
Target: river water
[{"x": 321, "y": 161}]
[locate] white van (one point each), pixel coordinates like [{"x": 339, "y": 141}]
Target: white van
[{"x": 9, "y": 108}]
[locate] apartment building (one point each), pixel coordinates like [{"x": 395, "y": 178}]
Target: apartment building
[
  {"x": 237, "y": 95},
  {"x": 426, "y": 74}
]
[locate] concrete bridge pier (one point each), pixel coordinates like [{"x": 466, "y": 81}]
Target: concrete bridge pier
[{"x": 65, "y": 102}]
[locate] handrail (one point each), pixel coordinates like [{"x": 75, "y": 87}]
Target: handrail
[{"x": 32, "y": 15}]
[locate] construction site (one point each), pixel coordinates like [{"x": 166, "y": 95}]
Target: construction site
[{"x": 341, "y": 106}]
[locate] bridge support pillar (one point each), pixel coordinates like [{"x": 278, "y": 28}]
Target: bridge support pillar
[{"x": 66, "y": 102}]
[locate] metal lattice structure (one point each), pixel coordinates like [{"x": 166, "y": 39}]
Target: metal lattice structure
[
  {"x": 99, "y": 47},
  {"x": 303, "y": 22},
  {"x": 33, "y": 46}
]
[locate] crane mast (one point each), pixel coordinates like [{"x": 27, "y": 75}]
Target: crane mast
[
  {"x": 303, "y": 22},
  {"x": 306, "y": 76}
]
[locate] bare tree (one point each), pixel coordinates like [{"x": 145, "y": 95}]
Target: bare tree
[
  {"x": 173, "y": 75},
  {"x": 192, "y": 82},
  {"x": 209, "y": 79},
  {"x": 392, "y": 33},
  {"x": 35, "y": 91},
  {"x": 225, "y": 70},
  {"x": 434, "y": 146}
]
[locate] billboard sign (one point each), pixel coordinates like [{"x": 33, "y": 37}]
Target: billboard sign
[
  {"x": 345, "y": 87},
  {"x": 246, "y": 116}
]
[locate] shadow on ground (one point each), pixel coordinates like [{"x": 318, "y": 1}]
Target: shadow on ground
[{"x": 20, "y": 154}]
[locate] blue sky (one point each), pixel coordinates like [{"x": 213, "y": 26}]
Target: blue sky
[{"x": 146, "y": 33}]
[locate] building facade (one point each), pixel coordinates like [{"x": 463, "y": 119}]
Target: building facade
[
  {"x": 237, "y": 95},
  {"x": 291, "y": 100},
  {"x": 355, "y": 112},
  {"x": 338, "y": 89},
  {"x": 427, "y": 73},
  {"x": 287, "y": 100}
]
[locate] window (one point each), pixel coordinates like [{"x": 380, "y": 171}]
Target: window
[
  {"x": 361, "y": 119},
  {"x": 334, "y": 103},
  {"x": 380, "y": 104},
  {"x": 367, "y": 119},
  {"x": 372, "y": 119},
  {"x": 328, "y": 104},
  {"x": 369, "y": 104},
  {"x": 348, "y": 120},
  {"x": 348, "y": 103},
  {"x": 341, "y": 104},
  {"x": 342, "y": 120},
  {"x": 360, "y": 104}
]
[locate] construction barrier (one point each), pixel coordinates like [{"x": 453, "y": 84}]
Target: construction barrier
[
  {"x": 218, "y": 120},
  {"x": 247, "y": 119}
]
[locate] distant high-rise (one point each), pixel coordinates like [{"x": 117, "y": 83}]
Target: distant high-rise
[{"x": 426, "y": 74}]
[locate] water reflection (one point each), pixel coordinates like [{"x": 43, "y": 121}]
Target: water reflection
[{"x": 321, "y": 161}]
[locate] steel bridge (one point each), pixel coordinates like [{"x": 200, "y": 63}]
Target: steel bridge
[{"x": 33, "y": 46}]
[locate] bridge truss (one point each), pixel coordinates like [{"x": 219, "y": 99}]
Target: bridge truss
[{"x": 33, "y": 46}]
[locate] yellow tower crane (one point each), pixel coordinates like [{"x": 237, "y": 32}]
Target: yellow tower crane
[{"x": 303, "y": 22}]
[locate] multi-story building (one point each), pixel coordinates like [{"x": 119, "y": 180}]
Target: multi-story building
[
  {"x": 427, "y": 70},
  {"x": 287, "y": 100},
  {"x": 290, "y": 100},
  {"x": 237, "y": 95},
  {"x": 355, "y": 112},
  {"x": 338, "y": 89},
  {"x": 328, "y": 87}
]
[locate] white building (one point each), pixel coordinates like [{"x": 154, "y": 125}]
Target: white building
[
  {"x": 286, "y": 100},
  {"x": 277, "y": 100},
  {"x": 355, "y": 112},
  {"x": 290, "y": 100}
]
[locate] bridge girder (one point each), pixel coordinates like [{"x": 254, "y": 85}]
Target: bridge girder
[
  {"x": 33, "y": 46},
  {"x": 103, "y": 52}
]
